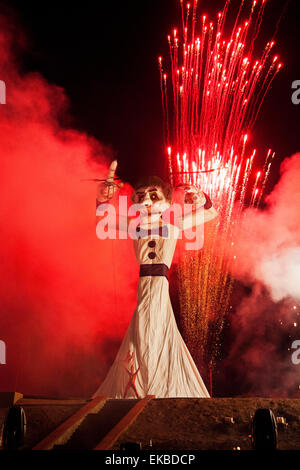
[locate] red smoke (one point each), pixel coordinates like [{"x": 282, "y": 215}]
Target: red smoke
[{"x": 64, "y": 295}]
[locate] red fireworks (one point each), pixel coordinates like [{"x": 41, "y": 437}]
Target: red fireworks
[{"x": 217, "y": 88}]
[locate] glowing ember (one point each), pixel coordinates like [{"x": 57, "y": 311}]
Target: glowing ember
[{"x": 217, "y": 89}]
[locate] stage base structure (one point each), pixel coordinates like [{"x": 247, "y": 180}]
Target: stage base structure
[{"x": 157, "y": 424}]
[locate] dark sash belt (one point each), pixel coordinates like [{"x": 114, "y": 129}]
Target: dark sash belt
[{"x": 154, "y": 270}]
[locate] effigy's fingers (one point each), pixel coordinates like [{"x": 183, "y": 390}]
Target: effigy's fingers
[{"x": 111, "y": 171}]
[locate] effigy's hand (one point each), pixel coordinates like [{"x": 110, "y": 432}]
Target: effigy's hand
[
  {"x": 201, "y": 204},
  {"x": 108, "y": 188},
  {"x": 193, "y": 195}
]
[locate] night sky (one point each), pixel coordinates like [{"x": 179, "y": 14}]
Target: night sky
[{"x": 104, "y": 54}]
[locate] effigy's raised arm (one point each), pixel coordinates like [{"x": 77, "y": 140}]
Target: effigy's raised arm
[{"x": 106, "y": 216}]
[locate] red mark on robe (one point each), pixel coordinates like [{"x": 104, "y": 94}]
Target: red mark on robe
[{"x": 132, "y": 374}]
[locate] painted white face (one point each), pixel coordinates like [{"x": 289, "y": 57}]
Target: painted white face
[{"x": 153, "y": 199}]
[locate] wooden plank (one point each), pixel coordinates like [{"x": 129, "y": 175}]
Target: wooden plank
[
  {"x": 108, "y": 441},
  {"x": 63, "y": 433},
  {"x": 46, "y": 402}
]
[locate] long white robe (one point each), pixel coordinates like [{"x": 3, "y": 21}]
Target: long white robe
[{"x": 153, "y": 358}]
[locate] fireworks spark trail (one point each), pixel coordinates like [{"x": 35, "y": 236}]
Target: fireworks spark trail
[{"x": 217, "y": 92}]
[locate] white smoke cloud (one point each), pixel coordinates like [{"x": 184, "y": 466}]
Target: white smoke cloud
[
  {"x": 267, "y": 244},
  {"x": 281, "y": 274}
]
